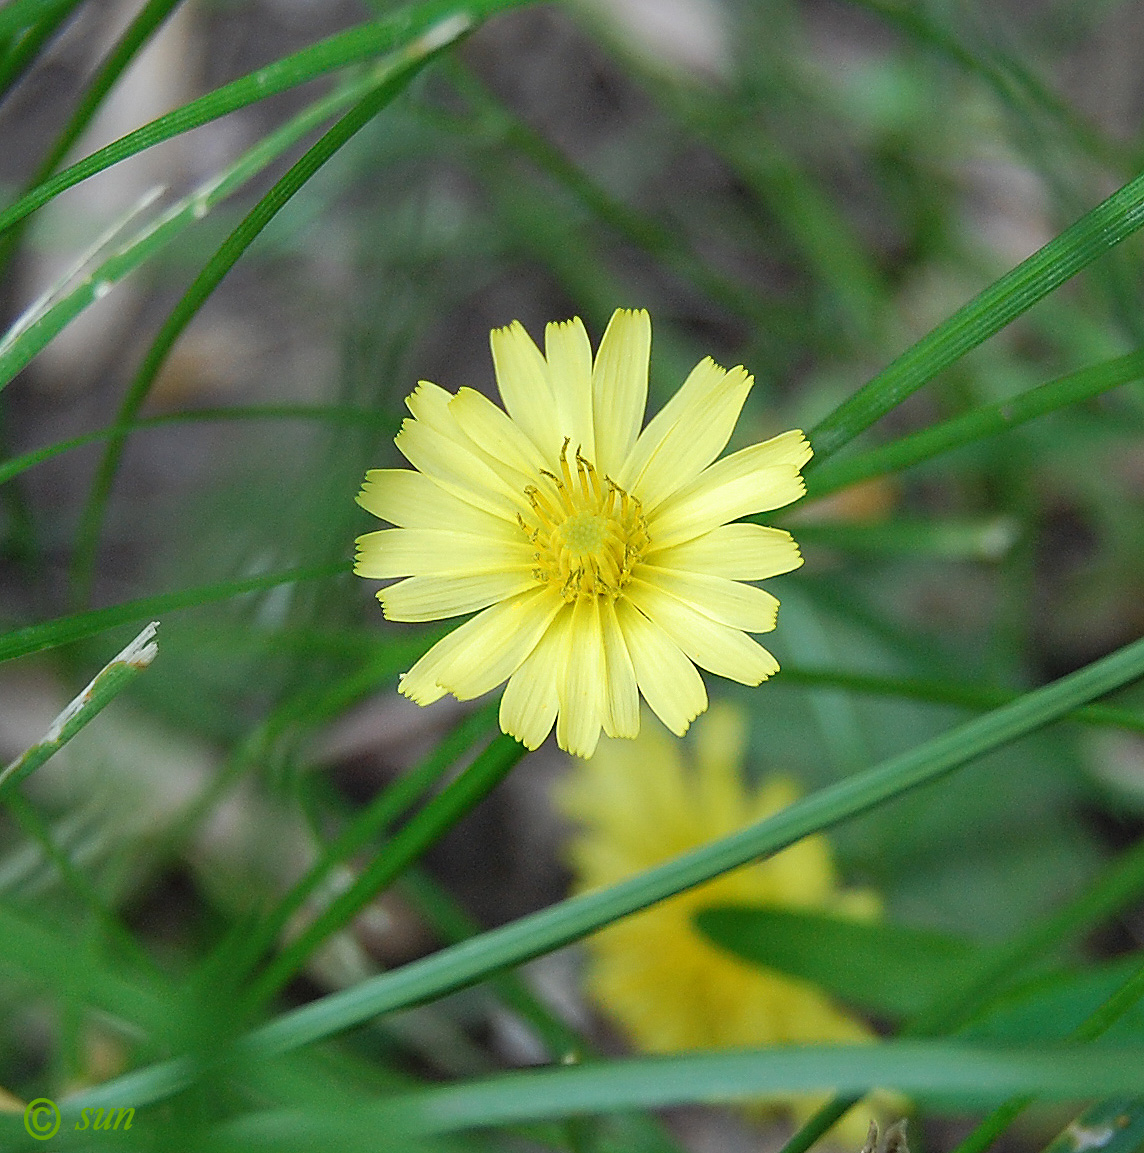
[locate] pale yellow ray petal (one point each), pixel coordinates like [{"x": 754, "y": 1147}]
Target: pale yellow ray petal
[
  {"x": 491, "y": 428},
  {"x": 668, "y": 680},
  {"x": 530, "y": 702},
  {"x": 522, "y": 377},
  {"x": 711, "y": 645},
  {"x": 742, "y": 551},
  {"x": 579, "y": 683},
  {"x": 430, "y": 598},
  {"x": 711, "y": 405},
  {"x": 400, "y": 552},
  {"x": 701, "y": 379},
  {"x": 569, "y": 356},
  {"x": 755, "y": 479},
  {"x": 460, "y": 471},
  {"x": 440, "y": 410},
  {"x": 621, "y": 698},
  {"x": 410, "y": 499},
  {"x": 619, "y": 387},
  {"x": 738, "y": 605},
  {"x": 500, "y": 637}
]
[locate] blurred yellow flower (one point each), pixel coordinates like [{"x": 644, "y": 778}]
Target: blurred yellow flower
[
  {"x": 637, "y": 804},
  {"x": 601, "y": 557}
]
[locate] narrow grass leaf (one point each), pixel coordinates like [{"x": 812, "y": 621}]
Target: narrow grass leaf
[
  {"x": 112, "y": 679},
  {"x": 1094, "y": 234},
  {"x": 988, "y": 420},
  {"x": 353, "y": 46},
  {"x": 879, "y": 967},
  {"x": 519, "y": 941},
  {"x": 65, "y": 630}
]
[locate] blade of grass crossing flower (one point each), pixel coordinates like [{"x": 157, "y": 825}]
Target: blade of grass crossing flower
[
  {"x": 1099, "y": 1022},
  {"x": 422, "y": 831},
  {"x": 474, "y": 960},
  {"x": 913, "y": 1067},
  {"x": 112, "y": 679},
  {"x": 1094, "y": 234},
  {"x": 988, "y": 420},
  {"x": 65, "y": 630},
  {"x": 404, "y": 66},
  {"x": 1115, "y": 890},
  {"x": 353, "y": 46}
]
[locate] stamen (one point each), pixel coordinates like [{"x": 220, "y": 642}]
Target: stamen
[{"x": 589, "y": 533}]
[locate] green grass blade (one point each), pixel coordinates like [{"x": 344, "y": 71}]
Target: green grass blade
[
  {"x": 911, "y": 1067},
  {"x": 404, "y": 65},
  {"x": 513, "y": 944},
  {"x": 111, "y": 680},
  {"x": 988, "y": 420},
  {"x": 32, "y": 28},
  {"x": 353, "y": 46},
  {"x": 410, "y": 843},
  {"x": 139, "y": 31},
  {"x": 65, "y": 630},
  {"x": 1093, "y": 235},
  {"x": 877, "y": 966},
  {"x": 329, "y": 413},
  {"x": 371, "y": 822},
  {"x": 45, "y": 319}
]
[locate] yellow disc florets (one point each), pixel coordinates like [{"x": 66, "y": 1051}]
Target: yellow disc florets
[{"x": 588, "y": 532}]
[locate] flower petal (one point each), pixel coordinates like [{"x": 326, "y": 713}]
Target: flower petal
[
  {"x": 457, "y": 470},
  {"x": 711, "y": 401},
  {"x": 491, "y": 428},
  {"x": 579, "y": 683},
  {"x": 569, "y": 357},
  {"x": 410, "y": 499},
  {"x": 430, "y": 598},
  {"x": 742, "y": 551},
  {"x": 400, "y": 552},
  {"x": 621, "y": 698},
  {"x": 530, "y": 702},
  {"x": 522, "y": 377},
  {"x": 714, "y": 646},
  {"x": 668, "y": 680},
  {"x": 738, "y": 605},
  {"x": 619, "y": 387},
  {"x": 481, "y": 653},
  {"x": 755, "y": 479}
]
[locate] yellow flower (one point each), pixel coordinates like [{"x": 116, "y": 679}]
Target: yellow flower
[
  {"x": 601, "y": 557},
  {"x": 654, "y": 973}
]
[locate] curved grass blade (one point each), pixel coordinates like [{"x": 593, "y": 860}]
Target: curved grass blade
[
  {"x": 471, "y": 961},
  {"x": 1094, "y": 234},
  {"x": 28, "y": 38},
  {"x": 988, "y": 420},
  {"x": 331, "y": 413},
  {"x": 139, "y": 31},
  {"x": 401, "y": 68},
  {"x": 115, "y": 676},
  {"x": 43, "y": 321},
  {"x": 912, "y": 1067},
  {"x": 65, "y": 630},
  {"x": 353, "y": 46},
  {"x": 408, "y": 844}
]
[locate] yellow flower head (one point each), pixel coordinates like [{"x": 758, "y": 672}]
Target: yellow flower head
[
  {"x": 601, "y": 557},
  {"x": 654, "y": 973}
]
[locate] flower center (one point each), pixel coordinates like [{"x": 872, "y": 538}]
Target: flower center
[{"x": 588, "y": 532}]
